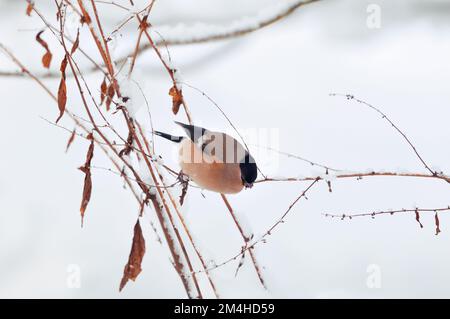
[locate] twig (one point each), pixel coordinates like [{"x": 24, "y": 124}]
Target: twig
[
  {"x": 163, "y": 212},
  {"x": 290, "y": 155},
  {"x": 113, "y": 4},
  {"x": 262, "y": 238},
  {"x": 386, "y": 212},
  {"x": 181, "y": 218},
  {"x": 232, "y": 32},
  {"x": 138, "y": 42},
  {"x": 246, "y": 241},
  {"x": 225, "y": 116},
  {"x": 222, "y": 35},
  {"x": 168, "y": 68},
  {"x": 78, "y": 123},
  {"x": 384, "y": 116},
  {"x": 353, "y": 175}
]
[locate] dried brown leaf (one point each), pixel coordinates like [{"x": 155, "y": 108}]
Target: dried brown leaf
[
  {"x": 62, "y": 90},
  {"x": 86, "y": 169},
  {"x": 71, "y": 139},
  {"x": 418, "y": 218},
  {"x": 436, "y": 220},
  {"x": 177, "y": 98},
  {"x": 76, "y": 43},
  {"x": 47, "y": 57},
  {"x": 110, "y": 94},
  {"x": 63, "y": 66},
  {"x": 129, "y": 146},
  {"x": 133, "y": 267},
  {"x": 30, "y": 7},
  {"x": 103, "y": 88},
  {"x": 85, "y": 18}
]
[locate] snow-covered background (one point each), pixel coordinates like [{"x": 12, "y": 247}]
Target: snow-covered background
[{"x": 277, "y": 78}]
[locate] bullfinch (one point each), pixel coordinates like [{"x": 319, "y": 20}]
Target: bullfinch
[{"x": 214, "y": 160}]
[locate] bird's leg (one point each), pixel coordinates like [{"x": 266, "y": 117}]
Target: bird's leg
[
  {"x": 184, "y": 181},
  {"x": 182, "y": 177}
]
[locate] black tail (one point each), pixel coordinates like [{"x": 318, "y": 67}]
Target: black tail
[
  {"x": 176, "y": 139},
  {"x": 194, "y": 132}
]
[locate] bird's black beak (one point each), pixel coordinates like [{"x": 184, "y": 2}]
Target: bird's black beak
[{"x": 248, "y": 185}]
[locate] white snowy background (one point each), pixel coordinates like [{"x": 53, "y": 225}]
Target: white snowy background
[{"x": 276, "y": 78}]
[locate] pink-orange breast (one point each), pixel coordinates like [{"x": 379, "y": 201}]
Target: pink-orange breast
[{"x": 208, "y": 172}]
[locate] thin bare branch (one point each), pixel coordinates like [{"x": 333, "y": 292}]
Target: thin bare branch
[
  {"x": 290, "y": 155},
  {"x": 263, "y": 237},
  {"x": 387, "y": 212},
  {"x": 223, "y": 33},
  {"x": 384, "y": 116},
  {"x": 246, "y": 242},
  {"x": 354, "y": 175}
]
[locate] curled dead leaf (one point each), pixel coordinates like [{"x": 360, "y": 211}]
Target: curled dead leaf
[
  {"x": 71, "y": 139},
  {"x": 418, "y": 218},
  {"x": 47, "y": 57},
  {"x": 62, "y": 90},
  {"x": 103, "y": 88},
  {"x": 436, "y": 220},
  {"x": 129, "y": 146},
  {"x": 133, "y": 267},
  {"x": 76, "y": 43},
  {"x": 110, "y": 94},
  {"x": 87, "y": 188},
  {"x": 30, "y": 7},
  {"x": 63, "y": 66},
  {"x": 177, "y": 99},
  {"x": 62, "y": 98}
]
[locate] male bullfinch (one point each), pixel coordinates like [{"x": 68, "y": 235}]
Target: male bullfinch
[{"x": 214, "y": 160}]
